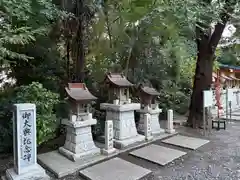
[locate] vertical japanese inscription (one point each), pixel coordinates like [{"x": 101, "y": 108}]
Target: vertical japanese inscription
[
  {"x": 110, "y": 134},
  {"x": 147, "y": 126},
  {"x": 148, "y": 121},
  {"x": 27, "y": 137}
]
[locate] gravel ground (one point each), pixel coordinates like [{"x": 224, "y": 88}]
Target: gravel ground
[{"x": 217, "y": 160}]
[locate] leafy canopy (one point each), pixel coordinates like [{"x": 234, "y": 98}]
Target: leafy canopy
[{"x": 21, "y": 21}]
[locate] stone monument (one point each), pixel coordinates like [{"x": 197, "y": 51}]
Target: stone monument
[
  {"x": 120, "y": 109},
  {"x": 25, "y": 145},
  {"x": 170, "y": 128},
  {"x": 79, "y": 142},
  {"x": 149, "y": 105},
  {"x": 147, "y": 127},
  {"x": 108, "y": 149}
]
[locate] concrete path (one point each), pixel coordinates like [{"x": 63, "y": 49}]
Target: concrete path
[
  {"x": 120, "y": 169},
  {"x": 217, "y": 160}
]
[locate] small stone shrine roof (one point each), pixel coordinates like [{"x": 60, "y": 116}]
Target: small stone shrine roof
[
  {"x": 149, "y": 90},
  {"x": 79, "y": 92},
  {"x": 118, "y": 80}
]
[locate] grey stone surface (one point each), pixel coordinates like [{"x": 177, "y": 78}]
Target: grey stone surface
[
  {"x": 124, "y": 127},
  {"x": 121, "y": 144},
  {"x": 158, "y": 154},
  {"x": 40, "y": 178},
  {"x": 61, "y": 166},
  {"x": 37, "y": 173},
  {"x": 25, "y": 145},
  {"x": 115, "y": 169},
  {"x": 116, "y": 108},
  {"x": 79, "y": 142},
  {"x": 155, "y": 125},
  {"x": 218, "y": 160},
  {"x": 24, "y": 137},
  {"x": 108, "y": 148},
  {"x": 169, "y": 128},
  {"x": 234, "y": 117},
  {"x": 81, "y": 155},
  {"x": 137, "y": 144},
  {"x": 186, "y": 142},
  {"x": 147, "y": 127}
]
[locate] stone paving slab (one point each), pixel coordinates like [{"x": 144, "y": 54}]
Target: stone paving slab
[
  {"x": 115, "y": 169},
  {"x": 60, "y": 166},
  {"x": 234, "y": 117},
  {"x": 186, "y": 142},
  {"x": 158, "y": 154}
]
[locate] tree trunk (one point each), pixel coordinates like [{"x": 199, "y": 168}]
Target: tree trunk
[
  {"x": 202, "y": 81},
  {"x": 206, "y": 44},
  {"x": 80, "y": 59}
]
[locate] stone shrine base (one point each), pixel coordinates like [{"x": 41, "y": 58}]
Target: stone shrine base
[
  {"x": 73, "y": 156},
  {"x": 155, "y": 124},
  {"x": 124, "y": 126},
  {"x": 120, "y": 144},
  {"x": 108, "y": 151},
  {"x": 79, "y": 142},
  {"x": 36, "y": 172},
  {"x": 61, "y": 166},
  {"x": 170, "y": 131}
]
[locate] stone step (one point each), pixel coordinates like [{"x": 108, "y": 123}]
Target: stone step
[
  {"x": 158, "y": 154},
  {"x": 185, "y": 142},
  {"x": 61, "y": 166},
  {"x": 115, "y": 169}
]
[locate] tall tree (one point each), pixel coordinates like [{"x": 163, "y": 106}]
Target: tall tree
[
  {"x": 207, "y": 42},
  {"x": 76, "y": 35}
]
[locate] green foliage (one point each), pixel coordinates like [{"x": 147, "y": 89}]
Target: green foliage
[
  {"x": 47, "y": 67},
  {"x": 229, "y": 55},
  {"x": 6, "y": 139},
  {"x": 150, "y": 40},
  {"x": 29, "y": 42},
  {"x": 45, "y": 101},
  {"x": 173, "y": 97},
  {"x": 21, "y": 22},
  {"x": 46, "y": 117}
]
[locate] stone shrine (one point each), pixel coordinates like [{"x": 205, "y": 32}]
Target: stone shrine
[
  {"x": 149, "y": 105},
  {"x": 79, "y": 142},
  {"x": 121, "y": 110},
  {"x": 25, "y": 145}
]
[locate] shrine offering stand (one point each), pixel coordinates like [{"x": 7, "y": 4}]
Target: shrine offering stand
[
  {"x": 124, "y": 127},
  {"x": 154, "y": 116}
]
